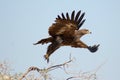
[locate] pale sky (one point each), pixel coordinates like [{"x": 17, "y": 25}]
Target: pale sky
[{"x": 23, "y": 22}]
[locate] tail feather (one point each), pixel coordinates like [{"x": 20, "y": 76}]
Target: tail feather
[{"x": 43, "y": 41}]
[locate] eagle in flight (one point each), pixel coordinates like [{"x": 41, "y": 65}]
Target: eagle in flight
[{"x": 66, "y": 32}]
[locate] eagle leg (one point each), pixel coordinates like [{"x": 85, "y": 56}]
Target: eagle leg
[
  {"x": 46, "y": 57},
  {"x": 52, "y": 47},
  {"x": 80, "y": 44}
]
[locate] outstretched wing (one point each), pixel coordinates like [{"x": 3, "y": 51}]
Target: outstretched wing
[{"x": 66, "y": 24}]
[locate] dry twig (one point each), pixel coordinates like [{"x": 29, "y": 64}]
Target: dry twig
[
  {"x": 87, "y": 75},
  {"x": 44, "y": 71}
]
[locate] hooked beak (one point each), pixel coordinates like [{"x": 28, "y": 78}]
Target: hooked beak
[{"x": 89, "y": 32}]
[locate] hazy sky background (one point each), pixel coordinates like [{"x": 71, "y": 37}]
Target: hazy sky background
[{"x": 23, "y": 22}]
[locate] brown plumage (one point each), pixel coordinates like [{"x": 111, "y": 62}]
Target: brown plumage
[{"x": 65, "y": 32}]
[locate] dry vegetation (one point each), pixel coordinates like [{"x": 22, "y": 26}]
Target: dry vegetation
[{"x": 42, "y": 74}]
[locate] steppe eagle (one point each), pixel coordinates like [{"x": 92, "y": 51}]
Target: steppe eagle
[{"x": 65, "y": 32}]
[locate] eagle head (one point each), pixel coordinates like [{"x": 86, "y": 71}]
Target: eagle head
[
  {"x": 84, "y": 31},
  {"x": 81, "y": 32}
]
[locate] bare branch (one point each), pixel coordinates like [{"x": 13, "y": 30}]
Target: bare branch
[
  {"x": 30, "y": 69},
  {"x": 59, "y": 65},
  {"x": 87, "y": 75},
  {"x": 44, "y": 71}
]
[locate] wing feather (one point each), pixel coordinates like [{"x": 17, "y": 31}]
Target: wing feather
[
  {"x": 77, "y": 15},
  {"x": 67, "y": 24},
  {"x": 80, "y": 19},
  {"x": 67, "y": 15},
  {"x": 72, "y": 15},
  {"x": 59, "y": 17},
  {"x": 80, "y": 24},
  {"x": 63, "y": 16}
]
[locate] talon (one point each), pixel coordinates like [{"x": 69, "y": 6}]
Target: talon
[
  {"x": 46, "y": 58},
  {"x": 93, "y": 48}
]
